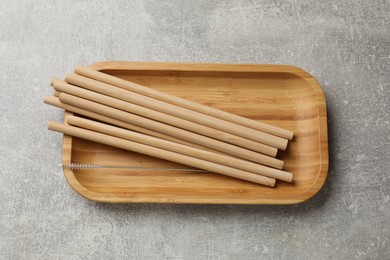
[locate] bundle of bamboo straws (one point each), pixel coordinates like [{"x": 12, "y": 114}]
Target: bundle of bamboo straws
[{"x": 130, "y": 116}]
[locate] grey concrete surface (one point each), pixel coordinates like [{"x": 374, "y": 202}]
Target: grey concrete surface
[{"x": 344, "y": 44}]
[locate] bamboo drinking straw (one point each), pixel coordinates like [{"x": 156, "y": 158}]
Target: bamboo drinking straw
[
  {"x": 53, "y": 101},
  {"x": 160, "y": 153},
  {"x": 169, "y": 130},
  {"x": 178, "y": 148},
  {"x": 94, "y": 74},
  {"x": 171, "y": 120},
  {"x": 52, "y": 82},
  {"x": 177, "y": 111}
]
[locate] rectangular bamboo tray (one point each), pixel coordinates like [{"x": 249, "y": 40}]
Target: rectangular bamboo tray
[{"x": 277, "y": 94}]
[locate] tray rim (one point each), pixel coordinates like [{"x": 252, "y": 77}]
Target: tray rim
[{"x": 211, "y": 67}]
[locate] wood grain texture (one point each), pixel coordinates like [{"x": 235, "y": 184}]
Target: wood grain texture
[{"x": 282, "y": 95}]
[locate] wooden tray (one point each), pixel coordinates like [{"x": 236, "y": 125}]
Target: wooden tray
[{"x": 277, "y": 94}]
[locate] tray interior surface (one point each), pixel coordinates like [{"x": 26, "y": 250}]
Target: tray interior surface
[{"x": 280, "y": 98}]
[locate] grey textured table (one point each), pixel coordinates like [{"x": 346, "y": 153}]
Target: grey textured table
[{"x": 344, "y": 44}]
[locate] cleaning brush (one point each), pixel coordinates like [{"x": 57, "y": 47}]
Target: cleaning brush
[{"x": 84, "y": 166}]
